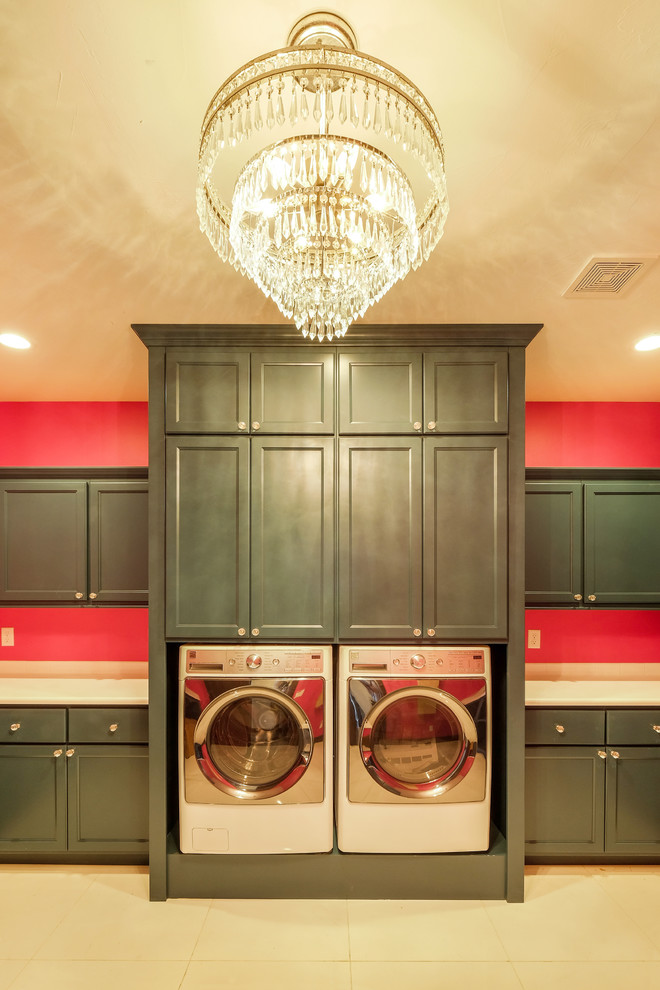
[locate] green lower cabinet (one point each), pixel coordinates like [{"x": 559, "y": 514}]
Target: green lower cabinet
[
  {"x": 107, "y": 799},
  {"x": 33, "y": 783},
  {"x": 564, "y": 800},
  {"x": 632, "y": 814}
]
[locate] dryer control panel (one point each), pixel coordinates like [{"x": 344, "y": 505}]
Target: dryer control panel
[{"x": 434, "y": 661}]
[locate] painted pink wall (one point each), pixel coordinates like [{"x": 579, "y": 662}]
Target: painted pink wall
[
  {"x": 76, "y": 633},
  {"x": 593, "y": 636},
  {"x": 592, "y": 434}
]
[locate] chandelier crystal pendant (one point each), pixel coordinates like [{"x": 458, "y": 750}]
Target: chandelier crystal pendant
[{"x": 321, "y": 176}]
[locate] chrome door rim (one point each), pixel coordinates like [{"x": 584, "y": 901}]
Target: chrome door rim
[
  {"x": 444, "y": 782},
  {"x": 246, "y": 791}
]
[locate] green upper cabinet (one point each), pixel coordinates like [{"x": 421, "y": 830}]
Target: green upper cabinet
[
  {"x": 247, "y": 560},
  {"x": 596, "y": 543},
  {"x": 622, "y": 543},
  {"x": 465, "y": 538},
  {"x": 380, "y": 538},
  {"x": 74, "y": 541},
  {"x": 380, "y": 391},
  {"x": 207, "y": 390},
  {"x": 553, "y": 551},
  {"x": 293, "y": 392},
  {"x": 466, "y": 391}
]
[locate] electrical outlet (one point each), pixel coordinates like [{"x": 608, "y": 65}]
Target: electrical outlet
[
  {"x": 7, "y": 636},
  {"x": 534, "y": 639}
]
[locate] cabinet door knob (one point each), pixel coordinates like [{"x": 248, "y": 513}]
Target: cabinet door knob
[
  {"x": 57, "y": 752},
  {"x": 578, "y": 598},
  {"x": 430, "y": 632},
  {"x": 242, "y": 425},
  {"x": 256, "y": 426},
  {"x": 417, "y": 632},
  {"x": 432, "y": 424},
  {"x": 656, "y": 728},
  {"x": 417, "y": 426},
  {"x": 15, "y": 726},
  {"x": 241, "y": 631},
  {"x": 615, "y": 754},
  {"x": 592, "y": 598},
  {"x": 114, "y": 726},
  {"x": 602, "y": 754},
  {"x": 79, "y": 595},
  {"x": 255, "y": 632},
  {"x": 70, "y": 752},
  {"x": 560, "y": 729},
  {"x": 92, "y": 594}
]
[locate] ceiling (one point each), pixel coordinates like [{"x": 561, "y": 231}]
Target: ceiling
[{"x": 550, "y": 116}]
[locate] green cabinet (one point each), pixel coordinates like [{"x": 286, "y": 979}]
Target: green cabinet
[
  {"x": 71, "y": 541},
  {"x": 284, "y": 390},
  {"x": 595, "y": 543},
  {"x": 592, "y": 783},
  {"x": 423, "y": 538},
  {"x": 406, "y": 390},
  {"x": 250, "y": 538},
  {"x": 83, "y": 791}
]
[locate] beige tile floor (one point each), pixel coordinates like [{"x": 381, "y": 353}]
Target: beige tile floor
[{"x": 93, "y": 928}]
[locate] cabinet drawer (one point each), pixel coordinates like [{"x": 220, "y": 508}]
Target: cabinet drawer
[
  {"x": 564, "y": 726},
  {"x": 113, "y": 725},
  {"x": 33, "y": 725},
  {"x": 633, "y": 727}
]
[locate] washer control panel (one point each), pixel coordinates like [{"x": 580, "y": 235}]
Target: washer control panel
[
  {"x": 434, "y": 661},
  {"x": 268, "y": 661}
]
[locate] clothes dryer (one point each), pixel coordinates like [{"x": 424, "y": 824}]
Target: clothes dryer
[
  {"x": 255, "y": 749},
  {"x": 413, "y": 749}
]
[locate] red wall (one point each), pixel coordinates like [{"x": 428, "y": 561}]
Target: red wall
[{"x": 74, "y": 434}]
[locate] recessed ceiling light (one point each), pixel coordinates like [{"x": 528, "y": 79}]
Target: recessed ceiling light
[
  {"x": 648, "y": 343},
  {"x": 14, "y": 340}
]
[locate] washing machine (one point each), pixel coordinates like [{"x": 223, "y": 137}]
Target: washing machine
[
  {"x": 413, "y": 749},
  {"x": 255, "y": 749}
]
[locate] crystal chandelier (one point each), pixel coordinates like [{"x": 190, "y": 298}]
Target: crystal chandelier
[{"x": 321, "y": 176}]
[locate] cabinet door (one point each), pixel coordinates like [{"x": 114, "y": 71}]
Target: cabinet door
[
  {"x": 380, "y": 391},
  {"x": 632, "y": 819},
  {"x": 465, "y": 538},
  {"x": 118, "y": 541},
  {"x": 553, "y": 550},
  {"x": 33, "y": 806},
  {"x": 43, "y": 541},
  {"x": 207, "y": 537},
  {"x": 622, "y": 543},
  {"x": 380, "y": 539},
  {"x": 292, "y": 391},
  {"x": 564, "y": 800},
  {"x": 108, "y": 799},
  {"x": 466, "y": 391},
  {"x": 292, "y": 537},
  {"x": 207, "y": 390}
]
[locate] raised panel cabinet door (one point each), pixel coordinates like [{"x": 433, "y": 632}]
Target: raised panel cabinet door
[
  {"x": 465, "y": 538},
  {"x": 207, "y": 390},
  {"x": 380, "y": 391},
  {"x": 43, "y": 541},
  {"x": 108, "y": 799},
  {"x": 207, "y": 537},
  {"x": 33, "y": 805},
  {"x": 632, "y": 818},
  {"x": 553, "y": 547},
  {"x": 564, "y": 800},
  {"x": 292, "y": 538},
  {"x": 292, "y": 391},
  {"x": 118, "y": 541},
  {"x": 622, "y": 543},
  {"x": 466, "y": 391},
  {"x": 380, "y": 539}
]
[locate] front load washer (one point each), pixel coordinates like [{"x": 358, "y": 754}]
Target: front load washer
[
  {"x": 413, "y": 749},
  {"x": 255, "y": 749}
]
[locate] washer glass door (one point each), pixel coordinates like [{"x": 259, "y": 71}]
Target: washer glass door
[
  {"x": 253, "y": 742},
  {"x": 418, "y": 742}
]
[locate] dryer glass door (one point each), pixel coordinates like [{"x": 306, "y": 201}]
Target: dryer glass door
[
  {"x": 418, "y": 741},
  {"x": 253, "y": 742}
]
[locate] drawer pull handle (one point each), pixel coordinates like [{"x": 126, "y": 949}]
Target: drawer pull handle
[
  {"x": 70, "y": 752},
  {"x": 15, "y": 726},
  {"x": 114, "y": 726},
  {"x": 615, "y": 754},
  {"x": 560, "y": 729},
  {"x": 602, "y": 754},
  {"x": 656, "y": 728},
  {"x": 57, "y": 752}
]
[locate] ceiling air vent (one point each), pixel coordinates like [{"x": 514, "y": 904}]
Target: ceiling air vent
[{"x": 606, "y": 277}]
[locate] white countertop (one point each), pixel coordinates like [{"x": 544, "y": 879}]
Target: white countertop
[
  {"x": 43, "y": 682},
  {"x": 590, "y": 684}
]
